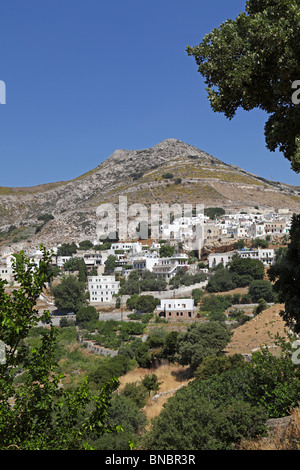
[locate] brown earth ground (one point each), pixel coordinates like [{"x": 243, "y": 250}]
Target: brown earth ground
[
  {"x": 257, "y": 332},
  {"x": 171, "y": 378}
]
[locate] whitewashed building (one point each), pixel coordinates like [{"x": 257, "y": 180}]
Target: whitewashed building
[
  {"x": 167, "y": 267},
  {"x": 177, "y": 309},
  {"x": 61, "y": 260},
  {"x": 216, "y": 258},
  {"x": 102, "y": 288},
  {"x": 256, "y": 230},
  {"x": 6, "y": 268},
  {"x": 265, "y": 255}
]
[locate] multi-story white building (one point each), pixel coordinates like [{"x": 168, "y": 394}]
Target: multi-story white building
[
  {"x": 102, "y": 288},
  {"x": 276, "y": 227},
  {"x": 144, "y": 262},
  {"x": 167, "y": 267},
  {"x": 93, "y": 259}
]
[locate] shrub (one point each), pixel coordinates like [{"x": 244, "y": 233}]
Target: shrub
[
  {"x": 247, "y": 266},
  {"x": 261, "y": 289}
]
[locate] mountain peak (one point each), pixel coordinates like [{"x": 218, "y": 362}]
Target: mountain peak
[{"x": 160, "y": 153}]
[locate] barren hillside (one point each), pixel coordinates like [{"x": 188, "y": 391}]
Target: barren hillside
[{"x": 171, "y": 172}]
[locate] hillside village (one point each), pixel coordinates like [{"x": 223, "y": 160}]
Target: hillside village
[
  {"x": 166, "y": 256},
  {"x": 149, "y": 289},
  {"x": 138, "y": 296},
  {"x": 224, "y": 230}
]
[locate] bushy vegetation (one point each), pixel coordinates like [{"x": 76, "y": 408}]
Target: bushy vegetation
[
  {"x": 213, "y": 212},
  {"x": 112, "y": 333},
  {"x": 141, "y": 282},
  {"x": 229, "y": 400},
  {"x": 69, "y": 294},
  {"x": 184, "y": 278},
  {"x": 142, "y": 303},
  {"x": 239, "y": 273}
]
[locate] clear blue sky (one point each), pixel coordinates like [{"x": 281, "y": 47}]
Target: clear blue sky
[{"x": 85, "y": 77}]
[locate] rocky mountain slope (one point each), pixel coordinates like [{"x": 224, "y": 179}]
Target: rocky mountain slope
[{"x": 171, "y": 172}]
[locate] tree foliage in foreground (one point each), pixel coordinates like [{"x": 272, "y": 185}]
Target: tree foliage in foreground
[
  {"x": 285, "y": 274},
  {"x": 44, "y": 415},
  {"x": 251, "y": 62}
]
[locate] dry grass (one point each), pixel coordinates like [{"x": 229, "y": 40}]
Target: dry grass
[
  {"x": 281, "y": 438},
  {"x": 171, "y": 376},
  {"x": 259, "y": 331}
]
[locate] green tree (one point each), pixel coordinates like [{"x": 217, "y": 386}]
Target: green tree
[
  {"x": 132, "y": 301},
  {"x": 259, "y": 243},
  {"x": 67, "y": 249},
  {"x": 247, "y": 266},
  {"x": 69, "y": 294},
  {"x": 261, "y": 289},
  {"x": 77, "y": 264},
  {"x": 285, "y": 274},
  {"x": 275, "y": 380},
  {"x": 197, "y": 295},
  {"x": 124, "y": 411},
  {"x": 44, "y": 415},
  {"x": 191, "y": 421},
  {"x": 151, "y": 383},
  {"x": 212, "y": 365},
  {"x": 170, "y": 346},
  {"x": 221, "y": 281},
  {"x": 239, "y": 244},
  {"x": 85, "y": 245},
  {"x": 86, "y": 314},
  {"x": 110, "y": 264},
  {"x": 201, "y": 340},
  {"x": 213, "y": 212},
  {"x": 146, "y": 303},
  {"x": 136, "y": 392},
  {"x": 251, "y": 62},
  {"x": 166, "y": 250}
]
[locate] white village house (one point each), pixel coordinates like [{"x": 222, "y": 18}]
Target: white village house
[
  {"x": 102, "y": 288},
  {"x": 176, "y": 309},
  {"x": 265, "y": 255}
]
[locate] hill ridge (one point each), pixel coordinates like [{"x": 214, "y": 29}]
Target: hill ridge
[{"x": 170, "y": 171}]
